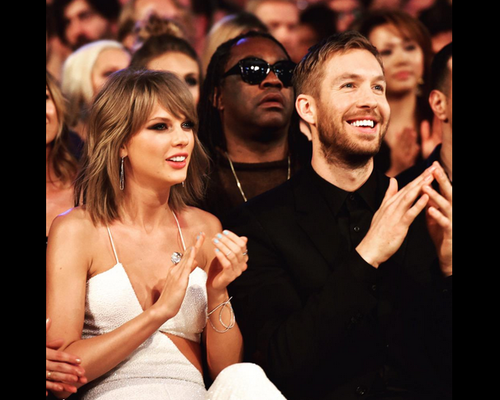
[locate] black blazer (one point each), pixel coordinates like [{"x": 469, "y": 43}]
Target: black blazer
[{"x": 321, "y": 321}]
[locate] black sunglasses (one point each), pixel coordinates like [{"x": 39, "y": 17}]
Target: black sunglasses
[{"x": 254, "y": 70}]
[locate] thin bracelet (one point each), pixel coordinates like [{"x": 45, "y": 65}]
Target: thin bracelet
[
  {"x": 232, "y": 320},
  {"x": 219, "y": 306}
]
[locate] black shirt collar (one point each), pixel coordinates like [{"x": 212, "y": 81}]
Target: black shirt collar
[{"x": 335, "y": 197}]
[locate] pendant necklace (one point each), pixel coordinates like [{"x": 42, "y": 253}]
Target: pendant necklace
[
  {"x": 176, "y": 256},
  {"x": 238, "y": 183}
]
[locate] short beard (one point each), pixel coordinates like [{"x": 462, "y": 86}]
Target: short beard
[{"x": 337, "y": 149}]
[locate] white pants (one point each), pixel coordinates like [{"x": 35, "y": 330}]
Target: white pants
[{"x": 243, "y": 381}]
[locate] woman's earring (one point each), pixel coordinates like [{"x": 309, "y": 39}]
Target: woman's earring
[
  {"x": 183, "y": 184},
  {"x": 122, "y": 175}
]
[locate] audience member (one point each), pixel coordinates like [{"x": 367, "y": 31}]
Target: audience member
[
  {"x": 246, "y": 122},
  {"x": 137, "y": 12},
  {"x": 126, "y": 34},
  {"x": 208, "y": 13},
  {"x": 84, "y": 72},
  {"x": 416, "y": 7},
  {"x": 440, "y": 100},
  {"x": 438, "y": 20},
  {"x": 79, "y": 22},
  {"x": 405, "y": 46},
  {"x": 316, "y": 22},
  {"x": 60, "y": 159},
  {"x": 170, "y": 9},
  {"x": 132, "y": 295},
  {"x": 62, "y": 370},
  {"x": 155, "y": 26},
  {"x": 385, "y": 4},
  {"x": 168, "y": 52},
  {"x": 227, "y": 28},
  {"x": 55, "y": 51},
  {"x": 348, "y": 11},
  {"x": 282, "y": 18},
  {"x": 133, "y": 33},
  {"x": 344, "y": 292}
]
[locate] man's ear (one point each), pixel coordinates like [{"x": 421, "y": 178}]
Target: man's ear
[
  {"x": 438, "y": 102},
  {"x": 217, "y": 99},
  {"x": 306, "y": 108}
]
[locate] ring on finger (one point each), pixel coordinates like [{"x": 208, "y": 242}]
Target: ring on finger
[
  {"x": 245, "y": 252},
  {"x": 228, "y": 253},
  {"x": 49, "y": 374}
]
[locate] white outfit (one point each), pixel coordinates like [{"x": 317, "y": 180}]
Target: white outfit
[{"x": 157, "y": 370}]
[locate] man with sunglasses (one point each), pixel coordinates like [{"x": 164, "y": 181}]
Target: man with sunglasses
[
  {"x": 347, "y": 292},
  {"x": 246, "y": 121}
]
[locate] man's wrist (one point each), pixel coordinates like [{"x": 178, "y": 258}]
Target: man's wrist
[{"x": 366, "y": 254}]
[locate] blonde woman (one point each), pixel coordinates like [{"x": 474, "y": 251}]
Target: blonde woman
[
  {"x": 84, "y": 72},
  {"x": 136, "y": 276}
]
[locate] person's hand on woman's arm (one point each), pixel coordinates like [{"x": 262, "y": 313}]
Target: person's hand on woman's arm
[{"x": 62, "y": 369}]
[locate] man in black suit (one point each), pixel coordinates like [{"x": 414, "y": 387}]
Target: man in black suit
[{"x": 345, "y": 293}]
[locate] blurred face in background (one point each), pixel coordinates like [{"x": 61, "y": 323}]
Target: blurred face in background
[
  {"x": 402, "y": 56},
  {"x": 282, "y": 20},
  {"x": 347, "y": 11},
  {"x": 162, "y": 8},
  {"x": 109, "y": 61},
  {"x": 181, "y": 65},
  {"x": 51, "y": 117},
  {"x": 84, "y": 24}
]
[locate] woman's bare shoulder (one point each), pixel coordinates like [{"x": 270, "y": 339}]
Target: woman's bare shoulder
[
  {"x": 74, "y": 224},
  {"x": 74, "y": 218}
]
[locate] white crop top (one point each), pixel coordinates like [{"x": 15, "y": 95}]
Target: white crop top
[{"x": 111, "y": 301}]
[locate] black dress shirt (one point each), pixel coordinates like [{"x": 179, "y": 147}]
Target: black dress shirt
[
  {"x": 352, "y": 210},
  {"x": 322, "y": 322}
]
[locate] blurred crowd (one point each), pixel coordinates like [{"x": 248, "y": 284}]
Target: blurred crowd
[
  {"x": 87, "y": 40},
  {"x": 297, "y": 24}
]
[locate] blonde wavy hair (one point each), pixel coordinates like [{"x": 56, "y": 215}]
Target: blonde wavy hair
[
  {"x": 120, "y": 110},
  {"x": 76, "y": 79}
]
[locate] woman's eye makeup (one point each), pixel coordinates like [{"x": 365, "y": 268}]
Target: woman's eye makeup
[
  {"x": 158, "y": 126},
  {"x": 162, "y": 126},
  {"x": 191, "y": 80},
  {"x": 187, "y": 125}
]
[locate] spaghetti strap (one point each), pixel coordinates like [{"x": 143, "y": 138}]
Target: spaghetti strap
[
  {"x": 180, "y": 231},
  {"x": 112, "y": 244}
]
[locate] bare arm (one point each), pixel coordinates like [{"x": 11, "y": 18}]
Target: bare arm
[
  {"x": 62, "y": 369},
  {"x": 66, "y": 290},
  {"x": 224, "y": 341}
]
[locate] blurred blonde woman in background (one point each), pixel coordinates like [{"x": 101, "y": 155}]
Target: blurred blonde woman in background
[{"x": 84, "y": 72}]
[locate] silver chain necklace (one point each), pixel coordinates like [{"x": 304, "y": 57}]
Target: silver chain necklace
[{"x": 238, "y": 183}]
